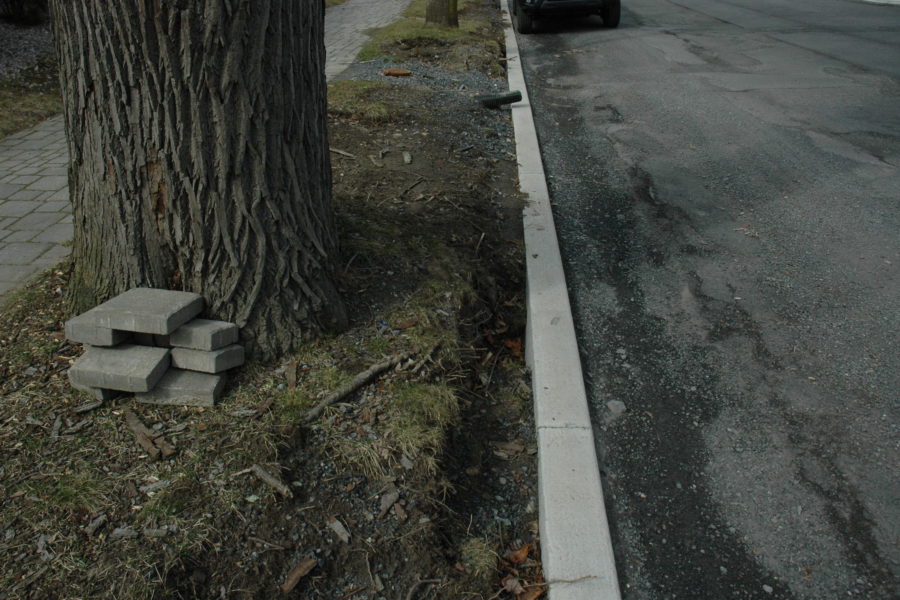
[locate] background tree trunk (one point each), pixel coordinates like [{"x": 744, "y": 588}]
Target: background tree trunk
[
  {"x": 442, "y": 12},
  {"x": 199, "y": 158}
]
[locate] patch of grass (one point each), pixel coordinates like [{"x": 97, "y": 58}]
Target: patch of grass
[
  {"x": 364, "y": 100},
  {"x": 30, "y": 96},
  {"x": 413, "y": 423},
  {"x": 478, "y": 556},
  {"x": 412, "y": 30},
  {"x": 78, "y": 489}
]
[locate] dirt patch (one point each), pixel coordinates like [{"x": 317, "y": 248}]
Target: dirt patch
[{"x": 420, "y": 484}]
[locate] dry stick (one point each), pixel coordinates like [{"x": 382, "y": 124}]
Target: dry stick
[
  {"x": 359, "y": 381},
  {"x": 342, "y": 153},
  {"x": 271, "y": 480},
  {"x": 418, "y": 584}
]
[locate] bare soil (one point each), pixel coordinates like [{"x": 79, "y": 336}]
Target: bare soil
[{"x": 419, "y": 485}]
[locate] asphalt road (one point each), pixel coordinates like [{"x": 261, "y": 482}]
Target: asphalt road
[{"x": 726, "y": 181}]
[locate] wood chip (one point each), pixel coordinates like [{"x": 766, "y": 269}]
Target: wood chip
[
  {"x": 388, "y": 500},
  {"x": 155, "y": 533},
  {"x": 338, "y": 528},
  {"x": 150, "y": 441},
  {"x": 92, "y": 527},
  {"x": 290, "y": 374},
  {"x": 271, "y": 480},
  {"x": 397, "y": 72},
  {"x": 155, "y": 486},
  {"x": 123, "y": 533},
  {"x": 78, "y": 426},
  {"x": 299, "y": 571},
  {"x": 88, "y": 407},
  {"x": 57, "y": 424}
]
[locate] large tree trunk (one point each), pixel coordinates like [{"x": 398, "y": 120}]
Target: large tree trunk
[
  {"x": 199, "y": 158},
  {"x": 442, "y": 12}
]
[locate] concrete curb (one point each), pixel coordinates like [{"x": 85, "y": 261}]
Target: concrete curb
[{"x": 576, "y": 549}]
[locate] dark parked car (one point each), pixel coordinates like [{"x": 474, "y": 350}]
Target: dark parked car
[{"x": 526, "y": 11}]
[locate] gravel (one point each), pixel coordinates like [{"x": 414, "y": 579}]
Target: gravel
[{"x": 21, "y": 47}]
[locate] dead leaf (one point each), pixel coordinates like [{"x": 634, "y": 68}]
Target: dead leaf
[
  {"x": 520, "y": 555},
  {"x": 515, "y": 347},
  {"x": 531, "y": 594},
  {"x": 512, "y": 585},
  {"x": 406, "y": 324},
  {"x": 397, "y": 72}
]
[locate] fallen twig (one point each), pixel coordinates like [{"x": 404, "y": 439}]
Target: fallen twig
[
  {"x": 359, "y": 381},
  {"x": 271, "y": 480},
  {"x": 342, "y": 153},
  {"x": 418, "y": 181},
  {"x": 420, "y": 583}
]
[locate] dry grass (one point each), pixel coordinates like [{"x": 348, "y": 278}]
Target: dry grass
[
  {"x": 30, "y": 96},
  {"x": 412, "y": 30}
]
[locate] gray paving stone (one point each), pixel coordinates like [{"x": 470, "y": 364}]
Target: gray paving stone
[
  {"x": 83, "y": 329},
  {"x": 58, "y": 234},
  {"x": 21, "y": 253},
  {"x": 24, "y": 179},
  {"x": 20, "y": 236},
  {"x": 15, "y": 273},
  {"x": 128, "y": 368},
  {"x": 50, "y": 184},
  {"x": 61, "y": 195},
  {"x": 149, "y": 310},
  {"x": 52, "y": 256},
  {"x": 50, "y": 205},
  {"x": 17, "y": 208},
  {"x": 36, "y": 221},
  {"x": 214, "y": 361},
  {"x": 6, "y": 189},
  {"x": 184, "y": 388},
  {"x": 25, "y": 194},
  {"x": 204, "y": 334},
  {"x": 4, "y": 233}
]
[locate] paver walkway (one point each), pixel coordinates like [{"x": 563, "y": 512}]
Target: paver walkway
[{"x": 35, "y": 214}]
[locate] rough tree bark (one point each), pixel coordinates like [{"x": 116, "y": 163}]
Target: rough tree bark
[
  {"x": 199, "y": 158},
  {"x": 442, "y": 12}
]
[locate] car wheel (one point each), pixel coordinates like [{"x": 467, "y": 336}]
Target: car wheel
[
  {"x": 611, "y": 12},
  {"x": 524, "y": 21}
]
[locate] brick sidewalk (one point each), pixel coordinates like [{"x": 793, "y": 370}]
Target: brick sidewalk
[{"x": 35, "y": 214}]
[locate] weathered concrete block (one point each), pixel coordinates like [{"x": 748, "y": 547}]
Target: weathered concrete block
[
  {"x": 148, "y": 310},
  {"x": 204, "y": 334},
  {"x": 184, "y": 388},
  {"x": 98, "y": 393},
  {"x": 129, "y": 368},
  {"x": 214, "y": 361},
  {"x": 83, "y": 329}
]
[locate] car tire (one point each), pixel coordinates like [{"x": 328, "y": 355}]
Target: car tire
[
  {"x": 524, "y": 21},
  {"x": 611, "y": 13}
]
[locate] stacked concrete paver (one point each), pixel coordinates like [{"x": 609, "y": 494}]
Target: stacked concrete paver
[{"x": 149, "y": 342}]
